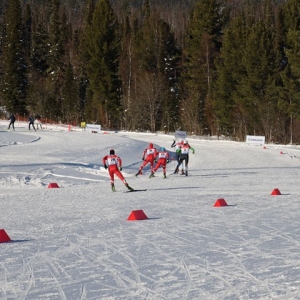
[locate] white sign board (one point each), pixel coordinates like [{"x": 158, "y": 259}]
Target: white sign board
[
  {"x": 255, "y": 139},
  {"x": 93, "y": 128},
  {"x": 180, "y": 135}
]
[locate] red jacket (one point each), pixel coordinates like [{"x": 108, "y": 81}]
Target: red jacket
[
  {"x": 112, "y": 161},
  {"x": 149, "y": 154}
]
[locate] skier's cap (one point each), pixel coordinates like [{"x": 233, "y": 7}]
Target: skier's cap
[{"x": 112, "y": 151}]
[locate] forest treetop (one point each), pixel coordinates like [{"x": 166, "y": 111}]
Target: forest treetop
[{"x": 210, "y": 67}]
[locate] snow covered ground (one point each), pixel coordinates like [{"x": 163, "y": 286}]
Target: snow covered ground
[{"x": 75, "y": 242}]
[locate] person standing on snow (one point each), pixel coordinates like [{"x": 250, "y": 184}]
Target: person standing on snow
[
  {"x": 31, "y": 122},
  {"x": 163, "y": 159},
  {"x": 184, "y": 156},
  {"x": 12, "y": 119},
  {"x": 149, "y": 156},
  {"x": 177, "y": 146},
  {"x": 113, "y": 163},
  {"x": 38, "y": 122}
]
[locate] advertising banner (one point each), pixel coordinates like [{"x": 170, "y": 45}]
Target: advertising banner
[
  {"x": 180, "y": 135},
  {"x": 255, "y": 139},
  {"x": 93, "y": 128}
]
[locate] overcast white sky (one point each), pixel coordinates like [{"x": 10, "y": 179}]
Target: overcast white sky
[{"x": 75, "y": 242}]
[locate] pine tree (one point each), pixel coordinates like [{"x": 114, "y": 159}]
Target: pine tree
[
  {"x": 86, "y": 103},
  {"x": 230, "y": 70},
  {"x": 55, "y": 40},
  {"x": 127, "y": 67},
  {"x": 103, "y": 47},
  {"x": 55, "y": 60},
  {"x": 27, "y": 30},
  {"x": 14, "y": 80},
  {"x": 70, "y": 99},
  {"x": 289, "y": 100},
  {"x": 40, "y": 50},
  {"x": 202, "y": 45},
  {"x": 38, "y": 90},
  {"x": 157, "y": 56},
  {"x": 255, "y": 91}
]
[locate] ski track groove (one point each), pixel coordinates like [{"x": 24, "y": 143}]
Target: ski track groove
[
  {"x": 4, "y": 293},
  {"x": 31, "y": 282},
  {"x": 93, "y": 256},
  {"x": 220, "y": 277},
  {"x": 284, "y": 235},
  {"x": 51, "y": 268},
  {"x": 83, "y": 293},
  {"x": 182, "y": 265},
  {"x": 124, "y": 282},
  {"x": 242, "y": 266},
  {"x": 132, "y": 263},
  {"x": 205, "y": 270},
  {"x": 189, "y": 280}
]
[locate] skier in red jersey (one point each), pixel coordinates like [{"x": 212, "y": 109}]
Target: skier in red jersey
[
  {"x": 149, "y": 156},
  {"x": 163, "y": 158},
  {"x": 113, "y": 163}
]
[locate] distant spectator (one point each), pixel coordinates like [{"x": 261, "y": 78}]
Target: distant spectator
[
  {"x": 12, "y": 119},
  {"x": 31, "y": 122},
  {"x": 38, "y": 122}
]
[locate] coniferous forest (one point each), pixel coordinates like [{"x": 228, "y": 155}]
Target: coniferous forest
[{"x": 209, "y": 67}]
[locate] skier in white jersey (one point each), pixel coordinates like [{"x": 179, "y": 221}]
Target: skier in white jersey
[
  {"x": 184, "y": 156},
  {"x": 177, "y": 146}
]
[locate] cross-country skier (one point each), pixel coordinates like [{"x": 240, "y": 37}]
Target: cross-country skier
[
  {"x": 149, "y": 156},
  {"x": 113, "y": 163},
  {"x": 177, "y": 145},
  {"x": 184, "y": 156},
  {"x": 163, "y": 159},
  {"x": 12, "y": 119},
  {"x": 38, "y": 122},
  {"x": 31, "y": 122}
]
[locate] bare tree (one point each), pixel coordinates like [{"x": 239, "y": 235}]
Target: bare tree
[{"x": 151, "y": 94}]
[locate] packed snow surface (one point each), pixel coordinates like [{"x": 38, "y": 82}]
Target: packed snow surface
[{"x": 75, "y": 242}]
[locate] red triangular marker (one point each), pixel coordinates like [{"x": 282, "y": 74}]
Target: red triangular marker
[
  {"x": 53, "y": 185},
  {"x": 4, "y": 238},
  {"x": 137, "y": 215},
  {"x": 275, "y": 192},
  {"x": 220, "y": 202}
]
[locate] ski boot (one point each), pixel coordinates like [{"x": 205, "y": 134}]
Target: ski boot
[
  {"x": 138, "y": 173},
  {"x": 151, "y": 175},
  {"x": 129, "y": 188},
  {"x": 165, "y": 176},
  {"x": 113, "y": 187},
  {"x": 182, "y": 172}
]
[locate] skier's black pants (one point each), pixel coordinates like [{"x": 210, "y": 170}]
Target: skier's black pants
[{"x": 183, "y": 158}]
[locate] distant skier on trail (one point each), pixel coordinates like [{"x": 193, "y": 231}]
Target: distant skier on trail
[
  {"x": 113, "y": 163},
  {"x": 149, "y": 156},
  {"x": 163, "y": 158},
  {"x": 184, "y": 156},
  {"x": 12, "y": 119},
  {"x": 38, "y": 122},
  {"x": 31, "y": 122}
]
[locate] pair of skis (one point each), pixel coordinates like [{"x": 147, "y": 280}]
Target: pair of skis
[{"x": 133, "y": 190}]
